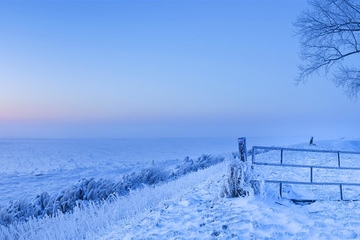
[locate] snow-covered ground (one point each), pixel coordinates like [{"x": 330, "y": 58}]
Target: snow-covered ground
[
  {"x": 32, "y": 166},
  {"x": 186, "y": 207}
]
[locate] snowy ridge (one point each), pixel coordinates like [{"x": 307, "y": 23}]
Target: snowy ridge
[
  {"x": 30, "y": 167},
  {"x": 87, "y": 190},
  {"x": 95, "y": 218}
]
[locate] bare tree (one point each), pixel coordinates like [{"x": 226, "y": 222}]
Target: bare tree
[{"x": 329, "y": 34}]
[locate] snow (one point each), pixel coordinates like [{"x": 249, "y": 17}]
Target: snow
[
  {"x": 54, "y": 164},
  {"x": 199, "y": 214},
  {"x": 188, "y": 206}
]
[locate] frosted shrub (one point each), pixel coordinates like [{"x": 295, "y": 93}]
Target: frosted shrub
[
  {"x": 235, "y": 185},
  {"x": 152, "y": 175},
  {"x": 189, "y": 165},
  {"x": 240, "y": 182},
  {"x": 81, "y": 193}
]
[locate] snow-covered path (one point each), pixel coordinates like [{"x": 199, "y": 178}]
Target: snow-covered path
[{"x": 202, "y": 214}]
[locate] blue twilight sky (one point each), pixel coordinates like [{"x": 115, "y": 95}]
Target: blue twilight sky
[{"x": 161, "y": 69}]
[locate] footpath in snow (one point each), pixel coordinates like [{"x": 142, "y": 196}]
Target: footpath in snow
[{"x": 201, "y": 214}]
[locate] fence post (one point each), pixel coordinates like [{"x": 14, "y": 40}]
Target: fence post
[
  {"x": 253, "y": 155},
  {"x": 242, "y": 149},
  {"x": 339, "y": 164},
  {"x": 341, "y": 192}
]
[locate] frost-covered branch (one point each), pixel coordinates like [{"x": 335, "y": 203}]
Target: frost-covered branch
[{"x": 329, "y": 34}]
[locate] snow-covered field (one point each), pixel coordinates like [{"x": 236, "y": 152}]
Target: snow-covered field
[{"x": 186, "y": 205}]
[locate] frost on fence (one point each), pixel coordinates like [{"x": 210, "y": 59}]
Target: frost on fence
[
  {"x": 309, "y": 173},
  {"x": 90, "y": 190}
]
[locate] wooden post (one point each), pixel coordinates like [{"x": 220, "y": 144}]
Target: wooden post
[
  {"x": 253, "y": 155},
  {"x": 311, "y": 141},
  {"x": 242, "y": 149},
  {"x": 341, "y": 192}
]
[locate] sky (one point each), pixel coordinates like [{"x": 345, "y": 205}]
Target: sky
[{"x": 120, "y": 69}]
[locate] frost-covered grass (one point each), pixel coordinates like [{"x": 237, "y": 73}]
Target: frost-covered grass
[
  {"x": 94, "y": 218},
  {"x": 30, "y": 167},
  {"x": 93, "y": 191}
]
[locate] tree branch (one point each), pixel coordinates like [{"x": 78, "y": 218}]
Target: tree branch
[{"x": 329, "y": 33}]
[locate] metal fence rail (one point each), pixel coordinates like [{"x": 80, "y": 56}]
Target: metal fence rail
[{"x": 306, "y": 166}]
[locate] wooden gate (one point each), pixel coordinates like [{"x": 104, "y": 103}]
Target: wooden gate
[{"x": 297, "y": 167}]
